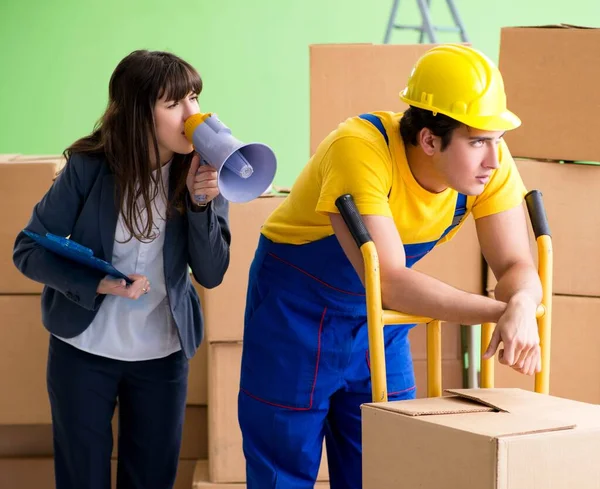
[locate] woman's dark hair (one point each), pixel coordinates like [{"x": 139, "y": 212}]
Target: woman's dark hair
[
  {"x": 126, "y": 133},
  {"x": 414, "y": 119}
]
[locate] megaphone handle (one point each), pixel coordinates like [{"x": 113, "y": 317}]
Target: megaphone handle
[{"x": 201, "y": 199}]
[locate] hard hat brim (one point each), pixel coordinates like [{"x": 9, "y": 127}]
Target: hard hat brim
[{"x": 505, "y": 121}]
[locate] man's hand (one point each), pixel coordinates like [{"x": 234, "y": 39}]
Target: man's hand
[{"x": 517, "y": 330}]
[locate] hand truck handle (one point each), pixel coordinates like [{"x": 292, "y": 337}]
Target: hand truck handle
[{"x": 353, "y": 220}]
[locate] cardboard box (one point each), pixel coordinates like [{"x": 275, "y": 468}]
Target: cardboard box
[
  {"x": 574, "y": 353},
  {"x": 38, "y": 473},
  {"x": 481, "y": 438},
  {"x": 569, "y": 193},
  {"x": 26, "y": 441},
  {"x": 23, "y": 183},
  {"x": 452, "y": 376},
  {"x": 550, "y": 75},
  {"x": 224, "y": 305},
  {"x": 451, "y": 341},
  {"x": 197, "y": 394},
  {"x": 201, "y": 480},
  {"x": 452, "y": 363},
  {"x": 226, "y": 462},
  {"x": 23, "y": 353},
  {"x": 27, "y": 473},
  {"x": 458, "y": 262},
  {"x": 349, "y": 79}
]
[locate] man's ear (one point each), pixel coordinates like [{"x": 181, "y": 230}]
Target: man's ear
[{"x": 428, "y": 141}]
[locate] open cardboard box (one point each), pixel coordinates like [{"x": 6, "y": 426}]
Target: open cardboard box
[{"x": 481, "y": 438}]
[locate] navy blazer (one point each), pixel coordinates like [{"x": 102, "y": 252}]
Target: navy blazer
[{"x": 81, "y": 204}]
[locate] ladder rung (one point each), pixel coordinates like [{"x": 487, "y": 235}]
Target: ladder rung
[{"x": 420, "y": 28}]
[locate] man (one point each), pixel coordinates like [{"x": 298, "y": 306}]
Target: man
[{"x": 414, "y": 177}]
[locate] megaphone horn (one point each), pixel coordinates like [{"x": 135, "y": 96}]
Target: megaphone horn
[{"x": 245, "y": 170}]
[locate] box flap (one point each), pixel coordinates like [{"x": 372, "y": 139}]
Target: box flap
[
  {"x": 506, "y": 400},
  {"x": 522, "y": 402},
  {"x": 519, "y": 401},
  {"x": 433, "y": 406},
  {"x": 516, "y": 401},
  {"x": 526, "y": 403},
  {"x": 482, "y": 412},
  {"x": 551, "y": 26},
  {"x": 500, "y": 424}
]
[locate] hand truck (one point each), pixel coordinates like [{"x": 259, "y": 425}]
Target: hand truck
[{"x": 377, "y": 317}]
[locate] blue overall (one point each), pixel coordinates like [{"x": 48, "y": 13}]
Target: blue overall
[{"x": 305, "y": 362}]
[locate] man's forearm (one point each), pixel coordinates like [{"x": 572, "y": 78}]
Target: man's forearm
[
  {"x": 412, "y": 292},
  {"x": 521, "y": 279}
]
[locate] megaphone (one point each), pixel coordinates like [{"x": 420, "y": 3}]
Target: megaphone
[{"x": 245, "y": 170}]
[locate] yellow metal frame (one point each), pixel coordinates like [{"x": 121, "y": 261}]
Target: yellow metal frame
[{"x": 377, "y": 318}]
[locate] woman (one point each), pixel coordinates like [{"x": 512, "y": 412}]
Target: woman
[{"x": 128, "y": 192}]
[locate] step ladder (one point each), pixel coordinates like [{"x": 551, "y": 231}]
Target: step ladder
[{"x": 426, "y": 28}]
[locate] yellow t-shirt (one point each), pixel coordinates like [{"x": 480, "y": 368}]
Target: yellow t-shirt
[{"x": 355, "y": 159}]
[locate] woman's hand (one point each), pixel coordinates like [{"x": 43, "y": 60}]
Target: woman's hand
[
  {"x": 201, "y": 182},
  {"x": 118, "y": 287}
]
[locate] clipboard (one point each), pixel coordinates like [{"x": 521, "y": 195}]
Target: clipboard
[{"x": 75, "y": 252}]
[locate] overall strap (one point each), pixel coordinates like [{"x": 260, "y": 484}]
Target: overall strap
[
  {"x": 415, "y": 251},
  {"x": 459, "y": 212},
  {"x": 376, "y": 121}
]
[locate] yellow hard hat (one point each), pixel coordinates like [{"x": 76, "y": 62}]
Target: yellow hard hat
[{"x": 462, "y": 83}]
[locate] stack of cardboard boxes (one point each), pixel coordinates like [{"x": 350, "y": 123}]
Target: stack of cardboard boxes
[
  {"x": 551, "y": 85},
  {"x": 25, "y": 430},
  {"x": 508, "y": 438},
  {"x": 26, "y": 449}
]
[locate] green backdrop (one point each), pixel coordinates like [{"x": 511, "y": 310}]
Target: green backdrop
[{"x": 57, "y": 57}]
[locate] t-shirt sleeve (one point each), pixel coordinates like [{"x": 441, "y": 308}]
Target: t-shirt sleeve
[
  {"x": 357, "y": 167},
  {"x": 505, "y": 189}
]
